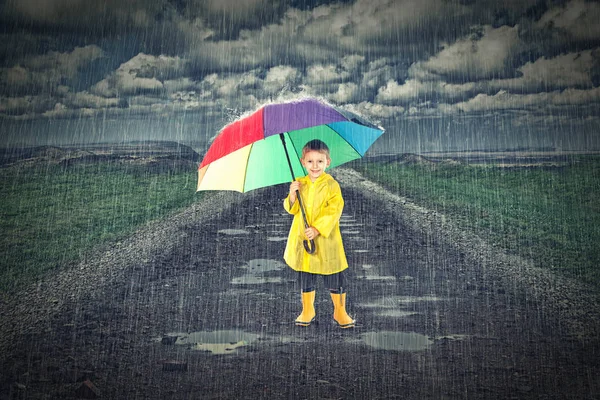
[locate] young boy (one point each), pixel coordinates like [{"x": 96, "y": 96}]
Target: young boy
[{"x": 323, "y": 204}]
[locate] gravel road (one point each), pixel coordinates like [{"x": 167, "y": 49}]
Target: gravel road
[{"x": 201, "y": 306}]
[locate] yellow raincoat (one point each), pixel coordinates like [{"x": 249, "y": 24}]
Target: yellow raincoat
[{"x": 323, "y": 204}]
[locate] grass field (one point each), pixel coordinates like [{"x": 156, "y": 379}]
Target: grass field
[
  {"x": 52, "y": 215},
  {"x": 550, "y": 215}
]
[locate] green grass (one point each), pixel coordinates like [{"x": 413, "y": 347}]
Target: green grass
[
  {"x": 548, "y": 215},
  {"x": 53, "y": 215}
]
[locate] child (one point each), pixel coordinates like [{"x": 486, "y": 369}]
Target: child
[{"x": 323, "y": 204}]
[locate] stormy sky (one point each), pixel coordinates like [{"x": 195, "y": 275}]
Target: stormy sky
[{"x": 436, "y": 74}]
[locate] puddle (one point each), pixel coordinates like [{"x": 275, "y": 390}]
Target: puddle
[
  {"x": 377, "y": 278},
  {"x": 254, "y": 280},
  {"x": 396, "y": 313},
  {"x": 452, "y": 337},
  {"x": 216, "y": 342},
  {"x": 255, "y": 270},
  {"x": 415, "y": 299},
  {"x": 276, "y": 239},
  {"x": 238, "y": 292},
  {"x": 370, "y": 275},
  {"x": 391, "y": 306},
  {"x": 395, "y": 301},
  {"x": 397, "y": 341},
  {"x": 263, "y": 265},
  {"x": 233, "y": 232}
]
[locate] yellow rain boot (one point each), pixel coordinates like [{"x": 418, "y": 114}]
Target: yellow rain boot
[
  {"x": 339, "y": 312},
  {"x": 308, "y": 309}
]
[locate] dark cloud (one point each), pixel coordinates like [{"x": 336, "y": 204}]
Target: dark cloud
[{"x": 386, "y": 59}]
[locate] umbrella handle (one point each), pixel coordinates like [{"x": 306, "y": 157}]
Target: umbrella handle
[
  {"x": 312, "y": 248},
  {"x": 309, "y": 249}
]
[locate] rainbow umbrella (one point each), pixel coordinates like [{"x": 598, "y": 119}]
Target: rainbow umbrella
[{"x": 265, "y": 148}]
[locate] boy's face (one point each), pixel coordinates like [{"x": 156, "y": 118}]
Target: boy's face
[{"x": 315, "y": 163}]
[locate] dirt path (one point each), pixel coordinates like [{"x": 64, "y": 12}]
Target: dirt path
[{"x": 202, "y": 307}]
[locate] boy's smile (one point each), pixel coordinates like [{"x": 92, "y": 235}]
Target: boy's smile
[{"x": 315, "y": 163}]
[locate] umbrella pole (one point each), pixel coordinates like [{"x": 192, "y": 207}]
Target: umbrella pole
[{"x": 309, "y": 249}]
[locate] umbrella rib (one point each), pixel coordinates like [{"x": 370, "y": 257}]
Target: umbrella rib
[
  {"x": 293, "y": 147},
  {"x": 349, "y": 144},
  {"x": 246, "y": 167}
]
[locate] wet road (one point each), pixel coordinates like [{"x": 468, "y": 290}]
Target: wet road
[{"x": 214, "y": 319}]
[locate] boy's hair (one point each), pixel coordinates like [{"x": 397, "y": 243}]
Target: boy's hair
[{"x": 315, "y": 145}]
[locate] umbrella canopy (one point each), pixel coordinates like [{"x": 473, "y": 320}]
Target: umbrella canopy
[{"x": 249, "y": 154}]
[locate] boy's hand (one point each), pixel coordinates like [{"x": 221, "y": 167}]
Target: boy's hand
[
  {"x": 294, "y": 186},
  {"x": 311, "y": 233}
]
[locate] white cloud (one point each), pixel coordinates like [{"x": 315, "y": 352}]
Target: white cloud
[
  {"x": 476, "y": 57},
  {"x": 572, "y": 70},
  {"x": 43, "y": 73},
  {"x": 280, "y": 78},
  {"x": 416, "y": 90},
  {"x": 148, "y": 66},
  {"x": 65, "y": 105},
  {"x": 141, "y": 73},
  {"x": 378, "y": 73},
  {"x": 281, "y": 74},
  {"x": 392, "y": 91},
  {"x": 324, "y": 33},
  {"x": 257, "y": 48},
  {"x": 366, "y": 20},
  {"x": 507, "y": 101},
  {"x": 24, "y": 105},
  {"x": 128, "y": 83},
  {"x": 322, "y": 74},
  {"x": 248, "y": 88},
  {"x": 577, "y": 18},
  {"x": 345, "y": 93},
  {"x": 15, "y": 105},
  {"x": 16, "y": 76},
  {"x": 352, "y": 62},
  {"x": 180, "y": 84},
  {"x": 88, "y": 100},
  {"x": 374, "y": 112},
  {"x": 67, "y": 63},
  {"x": 59, "y": 110}
]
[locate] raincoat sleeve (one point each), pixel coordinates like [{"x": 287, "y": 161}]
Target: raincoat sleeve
[
  {"x": 331, "y": 211},
  {"x": 294, "y": 208}
]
